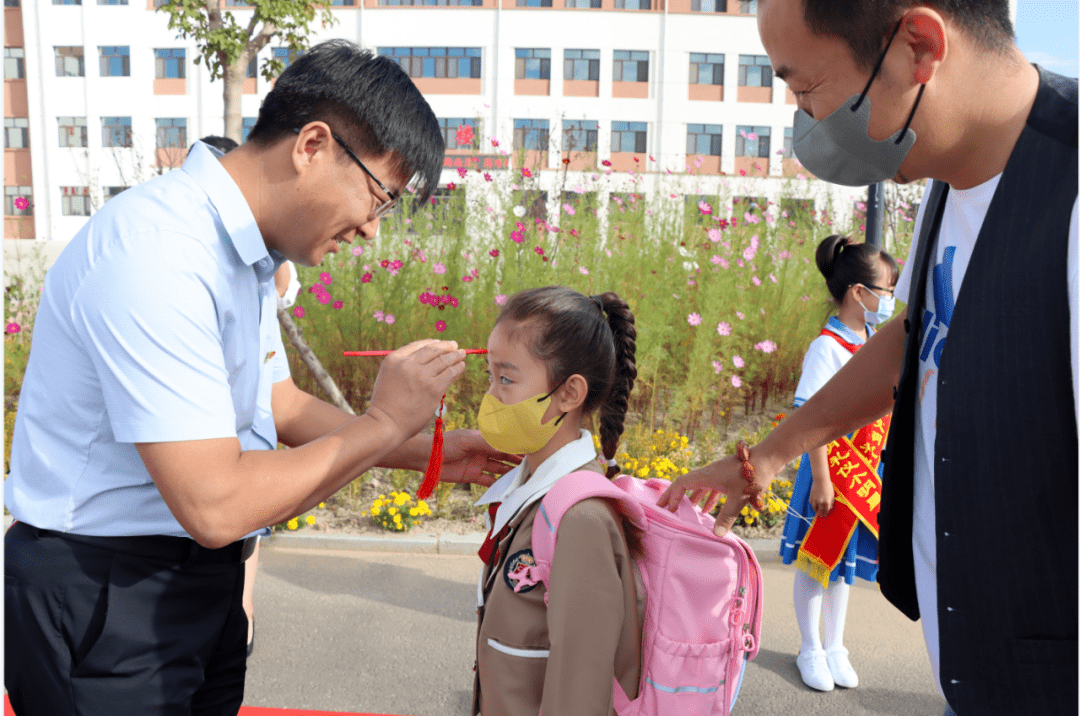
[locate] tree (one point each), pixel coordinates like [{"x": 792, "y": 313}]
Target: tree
[{"x": 228, "y": 47}]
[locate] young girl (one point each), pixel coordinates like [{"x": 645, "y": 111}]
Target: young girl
[
  {"x": 860, "y": 280},
  {"x": 554, "y": 357}
]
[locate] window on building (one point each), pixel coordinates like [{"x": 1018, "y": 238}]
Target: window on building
[
  {"x": 534, "y": 3},
  {"x": 581, "y": 64},
  {"x": 706, "y": 69},
  {"x": 532, "y": 64},
  {"x": 752, "y": 141},
  {"x": 450, "y": 3},
  {"x": 169, "y": 63},
  {"x": 115, "y": 61},
  {"x": 252, "y": 68},
  {"x": 789, "y": 143},
  {"x": 69, "y": 62},
  {"x": 160, "y": 3},
  {"x": 75, "y": 200},
  {"x": 11, "y": 3},
  {"x": 633, "y": 5},
  {"x": 631, "y": 66},
  {"x": 531, "y": 134},
  {"x": 245, "y": 130},
  {"x": 451, "y": 128},
  {"x": 629, "y": 136},
  {"x": 748, "y": 7},
  {"x": 108, "y": 192},
  {"x": 18, "y": 201},
  {"x": 436, "y": 61},
  {"x": 580, "y": 135},
  {"x": 67, "y": 2},
  {"x": 708, "y": 5},
  {"x": 14, "y": 63},
  {"x": 116, "y": 131},
  {"x": 286, "y": 56},
  {"x": 585, "y": 4},
  {"x": 171, "y": 132},
  {"x": 72, "y": 131},
  {"x": 704, "y": 139},
  {"x": 342, "y": 3},
  {"x": 112, "y": 2},
  {"x": 16, "y": 132},
  {"x": 755, "y": 71}
]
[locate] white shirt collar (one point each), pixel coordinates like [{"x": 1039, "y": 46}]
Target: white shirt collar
[{"x": 516, "y": 496}]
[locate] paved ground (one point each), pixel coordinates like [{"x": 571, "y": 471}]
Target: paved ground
[{"x": 393, "y": 633}]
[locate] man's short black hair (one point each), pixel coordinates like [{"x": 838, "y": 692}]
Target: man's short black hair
[
  {"x": 865, "y": 24},
  {"x": 369, "y": 101},
  {"x": 222, "y": 144}
]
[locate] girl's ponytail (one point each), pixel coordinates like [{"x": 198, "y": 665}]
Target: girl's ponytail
[{"x": 613, "y": 409}]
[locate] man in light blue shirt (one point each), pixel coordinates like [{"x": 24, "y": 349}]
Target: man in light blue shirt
[{"x": 157, "y": 390}]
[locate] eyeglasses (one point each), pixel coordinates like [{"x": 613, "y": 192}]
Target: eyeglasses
[
  {"x": 877, "y": 288},
  {"x": 387, "y": 206}
]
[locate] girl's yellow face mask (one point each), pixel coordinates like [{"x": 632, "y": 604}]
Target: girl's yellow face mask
[{"x": 516, "y": 428}]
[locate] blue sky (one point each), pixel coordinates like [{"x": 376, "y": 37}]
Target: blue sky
[{"x": 1046, "y": 32}]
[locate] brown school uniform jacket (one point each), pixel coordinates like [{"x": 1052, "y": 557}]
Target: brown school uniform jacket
[{"x": 561, "y": 658}]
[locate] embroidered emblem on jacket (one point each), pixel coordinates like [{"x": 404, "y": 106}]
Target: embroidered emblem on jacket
[{"x": 523, "y": 558}]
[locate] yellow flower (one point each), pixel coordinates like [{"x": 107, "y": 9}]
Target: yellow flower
[
  {"x": 643, "y": 472},
  {"x": 748, "y": 520},
  {"x": 422, "y": 505},
  {"x": 292, "y": 524},
  {"x": 397, "y": 519},
  {"x": 382, "y": 497},
  {"x": 414, "y": 511},
  {"x": 377, "y": 504},
  {"x": 401, "y": 499},
  {"x": 322, "y": 505},
  {"x": 374, "y": 511},
  {"x": 310, "y": 519},
  {"x": 393, "y": 511}
]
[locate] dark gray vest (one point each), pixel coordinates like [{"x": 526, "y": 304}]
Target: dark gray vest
[{"x": 1005, "y": 458}]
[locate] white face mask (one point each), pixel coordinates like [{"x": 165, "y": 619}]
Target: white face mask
[{"x": 885, "y": 307}]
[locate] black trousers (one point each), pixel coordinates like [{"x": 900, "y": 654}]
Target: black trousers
[{"x": 93, "y": 631}]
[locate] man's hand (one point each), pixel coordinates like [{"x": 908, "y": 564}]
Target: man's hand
[
  {"x": 468, "y": 458},
  {"x": 723, "y": 477},
  {"x": 412, "y": 381}
]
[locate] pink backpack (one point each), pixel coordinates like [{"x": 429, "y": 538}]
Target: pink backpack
[{"x": 703, "y": 595}]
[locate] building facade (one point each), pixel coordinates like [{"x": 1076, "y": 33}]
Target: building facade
[{"x": 100, "y": 94}]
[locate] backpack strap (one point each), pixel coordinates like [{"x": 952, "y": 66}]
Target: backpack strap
[{"x": 567, "y": 492}]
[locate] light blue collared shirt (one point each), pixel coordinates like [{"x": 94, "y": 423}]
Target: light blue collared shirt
[{"x": 157, "y": 324}]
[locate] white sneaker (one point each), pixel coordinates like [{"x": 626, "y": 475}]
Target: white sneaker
[
  {"x": 814, "y": 670},
  {"x": 840, "y": 668}
]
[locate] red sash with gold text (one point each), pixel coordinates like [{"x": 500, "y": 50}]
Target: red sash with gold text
[{"x": 853, "y": 464}]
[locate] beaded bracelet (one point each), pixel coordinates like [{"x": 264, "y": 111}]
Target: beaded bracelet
[{"x": 753, "y": 490}]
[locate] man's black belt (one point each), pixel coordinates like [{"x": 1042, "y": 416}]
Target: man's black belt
[{"x": 178, "y": 550}]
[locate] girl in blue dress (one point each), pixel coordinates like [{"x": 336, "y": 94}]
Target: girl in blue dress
[{"x": 860, "y": 280}]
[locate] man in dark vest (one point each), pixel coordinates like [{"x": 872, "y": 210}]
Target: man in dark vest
[{"x": 978, "y": 518}]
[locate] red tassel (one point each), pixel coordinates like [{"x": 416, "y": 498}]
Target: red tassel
[{"x": 434, "y": 468}]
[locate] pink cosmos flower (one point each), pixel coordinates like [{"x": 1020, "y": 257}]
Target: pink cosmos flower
[
  {"x": 366, "y": 278},
  {"x": 500, "y": 299},
  {"x": 723, "y": 328},
  {"x": 487, "y": 177},
  {"x": 378, "y": 315},
  {"x": 396, "y": 265},
  {"x": 389, "y": 319},
  {"x": 461, "y": 172},
  {"x": 738, "y": 361},
  {"x": 800, "y": 176},
  {"x": 494, "y": 142},
  {"x": 526, "y": 172},
  {"x": 440, "y": 326},
  {"x": 804, "y": 297},
  {"x": 717, "y": 259},
  {"x": 765, "y": 346},
  {"x": 584, "y": 271},
  {"x": 452, "y": 300},
  {"x": 569, "y": 209},
  {"x": 755, "y": 280},
  {"x": 21, "y": 203},
  {"x": 357, "y": 250},
  {"x": 339, "y": 304},
  {"x": 724, "y": 263},
  {"x": 694, "y": 319},
  {"x": 439, "y": 268},
  {"x": 326, "y": 278},
  {"x": 467, "y": 279},
  {"x": 494, "y": 253},
  {"x": 15, "y": 327},
  {"x": 752, "y": 136},
  {"x": 714, "y": 235},
  {"x": 704, "y": 208},
  {"x": 784, "y": 255},
  {"x": 298, "y": 311},
  {"x": 739, "y": 263},
  {"x": 539, "y": 251},
  {"x": 323, "y": 298},
  {"x": 736, "y": 381},
  {"x": 717, "y": 366},
  {"x": 740, "y": 315},
  {"x": 772, "y": 277}
]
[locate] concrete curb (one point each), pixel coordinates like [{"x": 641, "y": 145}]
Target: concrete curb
[{"x": 766, "y": 550}]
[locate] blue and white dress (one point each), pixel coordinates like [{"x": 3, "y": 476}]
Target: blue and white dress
[{"x": 823, "y": 359}]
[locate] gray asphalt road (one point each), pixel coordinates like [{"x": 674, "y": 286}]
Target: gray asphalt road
[{"x": 394, "y": 634}]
